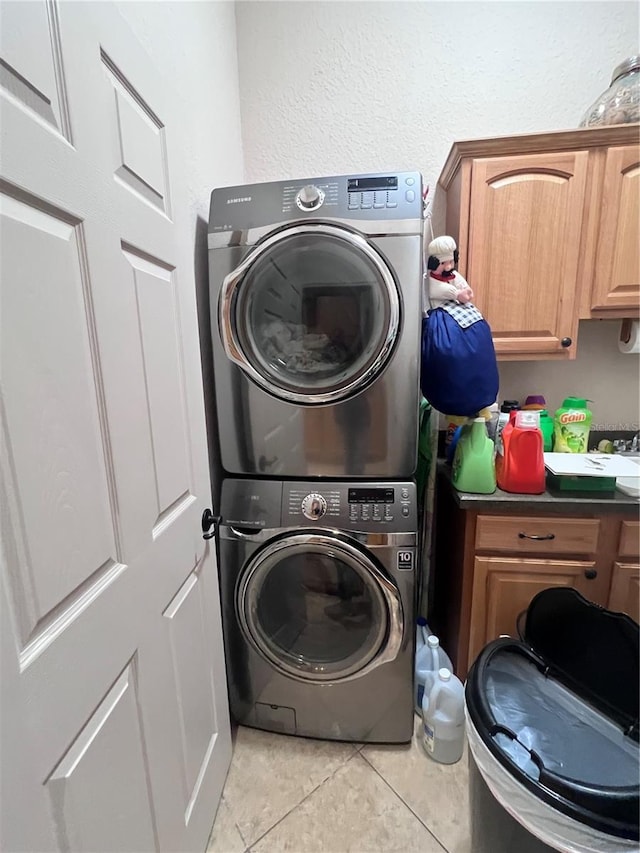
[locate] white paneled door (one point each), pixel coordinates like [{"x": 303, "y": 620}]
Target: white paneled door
[{"x": 115, "y": 730}]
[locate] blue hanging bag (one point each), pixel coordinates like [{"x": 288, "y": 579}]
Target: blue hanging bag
[{"x": 459, "y": 371}]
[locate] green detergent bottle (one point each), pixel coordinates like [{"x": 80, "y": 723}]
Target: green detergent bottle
[
  {"x": 547, "y": 430},
  {"x": 473, "y": 465},
  {"x": 572, "y": 424}
]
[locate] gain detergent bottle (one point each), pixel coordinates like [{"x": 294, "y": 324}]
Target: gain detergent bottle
[{"x": 571, "y": 426}]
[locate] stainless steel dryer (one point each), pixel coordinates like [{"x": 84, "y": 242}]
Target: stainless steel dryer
[
  {"x": 318, "y": 596},
  {"x": 316, "y": 321}
]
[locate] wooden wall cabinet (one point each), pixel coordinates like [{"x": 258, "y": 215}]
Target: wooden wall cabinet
[
  {"x": 617, "y": 258},
  {"x": 488, "y": 566},
  {"x": 547, "y": 229}
]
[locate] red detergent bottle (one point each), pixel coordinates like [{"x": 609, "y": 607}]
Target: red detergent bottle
[{"x": 520, "y": 461}]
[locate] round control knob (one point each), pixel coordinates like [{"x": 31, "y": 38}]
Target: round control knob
[
  {"x": 314, "y": 506},
  {"x": 309, "y": 197}
]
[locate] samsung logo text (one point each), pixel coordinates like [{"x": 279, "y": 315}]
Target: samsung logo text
[{"x": 238, "y": 200}]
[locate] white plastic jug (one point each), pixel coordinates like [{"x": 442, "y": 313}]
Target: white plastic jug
[
  {"x": 443, "y": 719},
  {"x": 430, "y": 657}
]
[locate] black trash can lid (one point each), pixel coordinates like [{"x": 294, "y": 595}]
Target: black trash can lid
[
  {"x": 594, "y": 651},
  {"x": 559, "y": 710}
]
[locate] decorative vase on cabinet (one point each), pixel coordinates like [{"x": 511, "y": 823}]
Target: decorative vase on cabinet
[{"x": 620, "y": 104}]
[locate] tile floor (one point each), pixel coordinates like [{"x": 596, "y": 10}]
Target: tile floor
[{"x": 294, "y": 794}]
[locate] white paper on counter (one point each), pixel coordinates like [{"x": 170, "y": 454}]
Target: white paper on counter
[{"x": 592, "y": 464}]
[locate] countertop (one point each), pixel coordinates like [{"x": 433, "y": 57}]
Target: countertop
[{"x": 548, "y": 501}]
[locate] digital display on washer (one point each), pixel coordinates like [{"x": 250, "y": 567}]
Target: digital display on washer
[
  {"x": 371, "y": 496},
  {"x": 374, "y": 183}
]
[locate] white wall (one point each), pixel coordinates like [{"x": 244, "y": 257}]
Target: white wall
[
  {"x": 334, "y": 87},
  {"x": 330, "y": 87},
  {"x": 600, "y": 373}
]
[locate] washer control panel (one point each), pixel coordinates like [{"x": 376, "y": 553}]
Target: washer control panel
[
  {"x": 366, "y": 507},
  {"x": 357, "y": 506},
  {"x": 314, "y": 506},
  {"x": 379, "y": 504}
]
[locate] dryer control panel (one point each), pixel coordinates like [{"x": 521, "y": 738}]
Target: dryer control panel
[{"x": 376, "y": 198}]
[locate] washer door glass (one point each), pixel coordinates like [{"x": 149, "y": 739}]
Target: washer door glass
[
  {"x": 314, "y": 610},
  {"x": 315, "y": 313}
]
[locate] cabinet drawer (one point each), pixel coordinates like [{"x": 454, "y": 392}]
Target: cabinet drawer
[
  {"x": 629, "y": 539},
  {"x": 526, "y": 535}
]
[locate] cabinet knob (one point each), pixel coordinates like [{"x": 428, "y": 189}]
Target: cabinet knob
[
  {"x": 566, "y": 342},
  {"x": 590, "y": 574},
  {"x": 536, "y": 537}
]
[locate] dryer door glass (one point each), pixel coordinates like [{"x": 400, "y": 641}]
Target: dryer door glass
[
  {"x": 317, "y": 611},
  {"x": 315, "y": 313}
]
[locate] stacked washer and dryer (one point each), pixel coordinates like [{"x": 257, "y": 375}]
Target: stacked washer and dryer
[{"x": 316, "y": 323}]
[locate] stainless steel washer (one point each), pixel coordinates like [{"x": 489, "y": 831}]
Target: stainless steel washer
[
  {"x": 315, "y": 315},
  {"x": 318, "y": 596}
]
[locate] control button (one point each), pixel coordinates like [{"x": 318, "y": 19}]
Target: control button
[
  {"x": 314, "y": 506},
  {"x": 410, "y": 195},
  {"x": 367, "y": 201},
  {"x": 354, "y": 201},
  {"x": 379, "y": 199},
  {"x": 309, "y": 198},
  {"x": 388, "y": 516},
  {"x": 406, "y": 510},
  {"x": 409, "y": 181},
  {"x": 376, "y": 513},
  {"x": 391, "y": 202},
  {"x": 405, "y": 493}
]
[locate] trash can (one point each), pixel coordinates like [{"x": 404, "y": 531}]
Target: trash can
[{"x": 552, "y": 725}]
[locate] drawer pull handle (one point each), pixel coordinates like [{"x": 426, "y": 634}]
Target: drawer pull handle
[
  {"x": 590, "y": 574},
  {"x": 536, "y": 537}
]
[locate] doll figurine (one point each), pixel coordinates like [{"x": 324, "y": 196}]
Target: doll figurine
[
  {"x": 459, "y": 374},
  {"x": 442, "y": 282}
]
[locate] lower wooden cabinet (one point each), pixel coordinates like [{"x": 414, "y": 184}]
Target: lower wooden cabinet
[
  {"x": 625, "y": 578},
  {"x": 503, "y": 588},
  {"x": 625, "y": 589},
  {"x": 488, "y": 566},
  {"x": 629, "y": 545}
]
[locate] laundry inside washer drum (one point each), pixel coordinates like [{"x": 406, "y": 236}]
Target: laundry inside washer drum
[{"x": 316, "y": 609}]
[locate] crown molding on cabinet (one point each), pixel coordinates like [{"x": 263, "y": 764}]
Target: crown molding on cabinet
[{"x": 528, "y": 143}]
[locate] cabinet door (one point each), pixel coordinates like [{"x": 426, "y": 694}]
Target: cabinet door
[
  {"x": 617, "y": 269},
  {"x": 629, "y": 544},
  {"x": 625, "y": 590},
  {"x": 525, "y": 223},
  {"x": 503, "y": 588}
]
